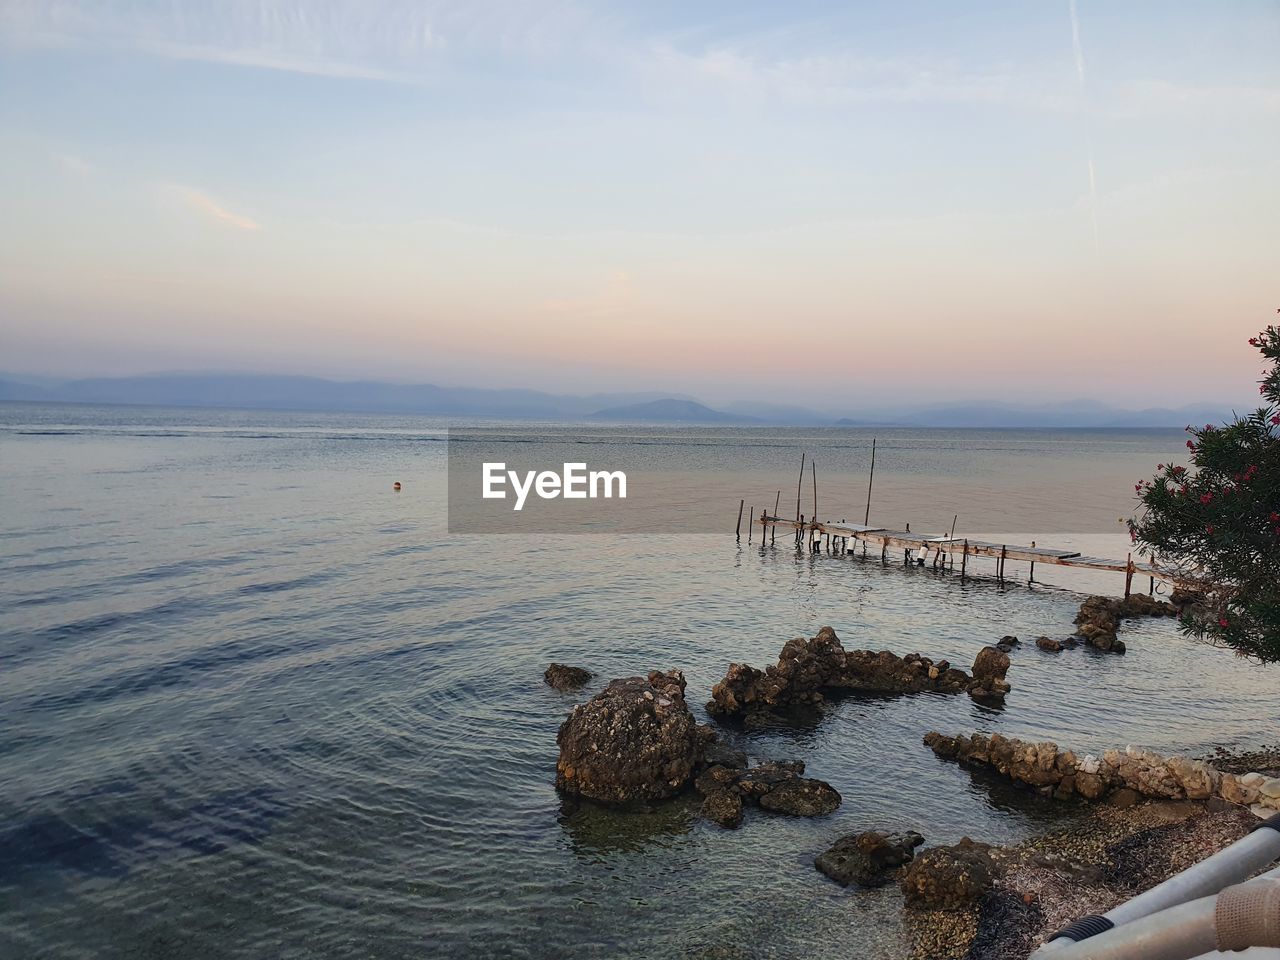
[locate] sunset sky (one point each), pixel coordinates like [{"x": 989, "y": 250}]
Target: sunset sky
[{"x": 799, "y": 201}]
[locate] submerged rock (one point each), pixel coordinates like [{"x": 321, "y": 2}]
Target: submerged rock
[
  {"x": 636, "y": 740},
  {"x": 801, "y": 797},
  {"x": 809, "y": 668},
  {"x": 564, "y": 677},
  {"x": 778, "y": 786},
  {"x": 868, "y": 859},
  {"x": 724, "y": 807},
  {"x": 949, "y": 878}
]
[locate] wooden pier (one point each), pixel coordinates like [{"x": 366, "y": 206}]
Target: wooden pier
[{"x": 947, "y": 550}]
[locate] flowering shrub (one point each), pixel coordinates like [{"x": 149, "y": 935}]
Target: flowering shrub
[{"x": 1215, "y": 526}]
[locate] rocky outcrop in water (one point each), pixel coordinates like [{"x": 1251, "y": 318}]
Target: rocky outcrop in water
[
  {"x": 1099, "y": 618},
  {"x": 636, "y": 740},
  {"x": 868, "y": 859},
  {"x": 989, "y": 669},
  {"x": 779, "y": 787},
  {"x": 564, "y": 678},
  {"x": 808, "y": 669},
  {"x": 1119, "y": 775},
  {"x": 950, "y": 878}
]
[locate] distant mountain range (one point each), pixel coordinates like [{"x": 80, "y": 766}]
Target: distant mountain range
[
  {"x": 670, "y": 410},
  {"x": 258, "y": 391}
]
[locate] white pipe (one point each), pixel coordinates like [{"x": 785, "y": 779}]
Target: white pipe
[
  {"x": 1229, "y": 865},
  {"x": 1182, "y": 932}
]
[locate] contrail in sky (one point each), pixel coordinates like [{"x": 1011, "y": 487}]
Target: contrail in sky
[{"x": 1093, "y": 183}]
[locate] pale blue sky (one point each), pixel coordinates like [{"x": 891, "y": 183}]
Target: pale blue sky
[{"x": 578, "y": 196}]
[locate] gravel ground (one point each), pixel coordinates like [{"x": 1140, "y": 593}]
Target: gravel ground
[
  {"x": 1059, "y": 877},
  {"x": 1263, "y": 760}
]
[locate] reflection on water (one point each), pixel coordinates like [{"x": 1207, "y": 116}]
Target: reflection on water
[{"x": 252, "y": 703}]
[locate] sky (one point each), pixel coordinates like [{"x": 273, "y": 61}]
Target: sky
[{"x": 803, "y": 202}]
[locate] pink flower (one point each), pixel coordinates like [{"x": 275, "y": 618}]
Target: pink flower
[
  {"x": 1275, "y": 420},
  {"x": 1224, "y": 623},
  {"x": 1206, "y": 498},
  {"x": 1209, "y": 529}
]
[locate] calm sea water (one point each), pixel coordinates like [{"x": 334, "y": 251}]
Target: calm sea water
[{"x": 254, "y": 704}]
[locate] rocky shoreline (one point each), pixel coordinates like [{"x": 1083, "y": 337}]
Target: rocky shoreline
[
  {"x": 1142, "y": 816},
  {"x": 1048, "y": 881}
]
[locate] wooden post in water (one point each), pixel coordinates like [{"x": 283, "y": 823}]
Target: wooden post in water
[
  {"x": 773, "y": 531},
  {"x": 866, "y": 518},
  {"x": 799, "y": 483},
  {"x": 814, "y": 465},
  {"x": 1031, "y": 577},
  {"x": 751, "y": 522},
  {"x": 964, "y": 558},
  {"x": 1128, "y": 575},
  {"x": 738, "y": 531},
  {"x": 1003, "y": 550}
]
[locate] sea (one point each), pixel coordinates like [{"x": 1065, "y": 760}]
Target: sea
[{"x": 256, "y": 703}]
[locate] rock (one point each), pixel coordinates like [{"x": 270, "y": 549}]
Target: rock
[
  {"x": 564, "y": 677},
  {"x": 721, "y": 754},
  {"x": 990, "y": 664},
  {"x": 1124, "y": 797},
  {"x": 1011, "y": 641},
  {"x": 1048, "y": 643},
  {"x": 1183, "y": 597},
  {"x": 1254, "y": 780},
  {"x": 1261, "y": 812},
  {"x": 1198, "y": 780},
  {"x": 801, "y": 797},
  {"x": 776, "y": 786},
  {"x": 949, "y": 878},
  {"x": 717, "y": 778},
  {"x": 1099, "y": 618},
  {"x": 1234, "y": 789},
  {"x": 1269, "y": 792},
  {"x": 809, "y": 669},
  {"x": 989, "y": 669},
  {"x": 1090, "y": 785},
  {"x": 868, "y": 859},
  {"x": 724, "y": 807},
  {"x": 636, "y": 740}
]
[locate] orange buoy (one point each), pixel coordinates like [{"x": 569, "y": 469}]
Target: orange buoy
[{"x": 396, "y": 486}]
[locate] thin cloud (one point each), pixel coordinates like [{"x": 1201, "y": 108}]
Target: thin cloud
[
  {"x": 1078, "y": 49},
  {"x": 363, "y": 39},
  {"x": 204, "y": 204}
]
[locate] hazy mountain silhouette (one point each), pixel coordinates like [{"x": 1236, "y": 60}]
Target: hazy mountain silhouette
[
  {"x": 260, "y": 391},
  {"x": 671, "y": 411}
]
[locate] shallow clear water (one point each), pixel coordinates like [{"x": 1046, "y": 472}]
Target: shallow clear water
[{"x": 252, "y": 703}]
